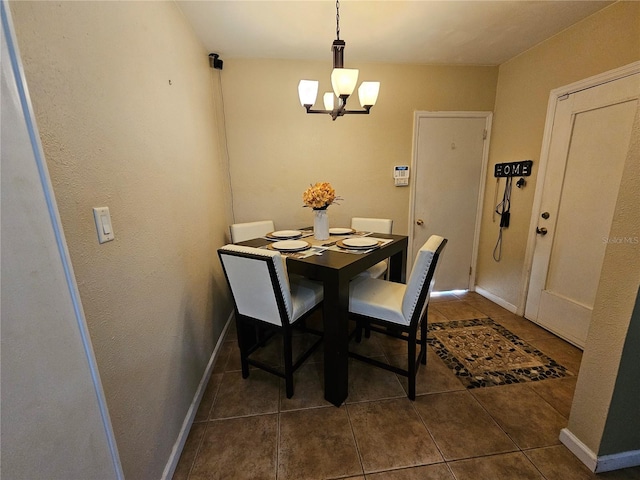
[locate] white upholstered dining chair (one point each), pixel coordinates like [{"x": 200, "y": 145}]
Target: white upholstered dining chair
[
  {"x": 267, "y": 301},
  {"x": 398, "y": 310},
  {"x": 246, "y": 231},
  {"x": 379, "y": 225}
]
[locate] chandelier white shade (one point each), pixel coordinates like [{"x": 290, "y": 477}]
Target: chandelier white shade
[
  {"x": 343, "y": 81},
  {"x": 368, "y": 93},
  {"x": 308, "y": 91},
  {"x": 327, "y": 99}
]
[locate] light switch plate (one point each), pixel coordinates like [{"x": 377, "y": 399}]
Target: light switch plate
[{"x": 103, "y": 224}]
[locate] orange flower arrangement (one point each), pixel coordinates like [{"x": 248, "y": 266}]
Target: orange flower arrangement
[{"x": 319, "y": 196}]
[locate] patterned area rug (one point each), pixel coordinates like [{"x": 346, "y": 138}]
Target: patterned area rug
[{"x": 483, "y": 354}]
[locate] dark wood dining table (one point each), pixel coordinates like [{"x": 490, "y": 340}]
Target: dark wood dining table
[{"x": 335, "y": 269}]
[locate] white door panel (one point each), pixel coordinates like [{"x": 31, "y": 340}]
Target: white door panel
[
  {"x": 589, "y": 144},
  {"x": 448, "y": 168},
  {"x": 565, "y": 316}
]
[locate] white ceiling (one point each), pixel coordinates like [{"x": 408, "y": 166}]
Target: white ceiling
[{"x": 476, "y": 32}]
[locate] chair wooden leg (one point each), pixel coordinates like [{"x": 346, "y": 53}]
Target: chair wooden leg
[
  {"x": 423, "y": 340},
  {"x": 358, "y": 330},
  {"x": 411, "y": 371},
  {"x": 288, "y": 363},
  {"x": 245, "y": 336}
]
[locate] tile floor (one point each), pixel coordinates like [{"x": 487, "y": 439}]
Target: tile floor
[{"x": 248, "y": 429}]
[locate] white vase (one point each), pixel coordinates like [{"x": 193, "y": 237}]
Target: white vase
[{"x": 321, "y": 224}]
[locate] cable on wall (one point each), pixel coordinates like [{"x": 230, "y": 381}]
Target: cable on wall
[
  {"x": 507, "y": 170},
  {"x": 503, "y": 209},
  {"x": 217, "y": 64}
]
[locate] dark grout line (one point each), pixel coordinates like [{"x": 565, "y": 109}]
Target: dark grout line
[
  {"x": 546, "y": 401},
  {"x": 355, "y": 440},
  {"x": 210, "y": 422},
  {"x": 195, "y": 456},
  {"x": 277, "y": 465}
]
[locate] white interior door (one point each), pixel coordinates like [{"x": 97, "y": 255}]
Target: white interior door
[
  {"x": 449, "y": 164},
  {"x": 589, "y": 144}
]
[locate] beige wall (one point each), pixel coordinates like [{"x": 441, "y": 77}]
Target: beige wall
[
  {"x": 604, "y": 41},
  {"x": 117, "y": 133},
  {"x": 124, "y": 99},
  {"x": 276, "y": 150},
  {"x": 43, "y": 343}
]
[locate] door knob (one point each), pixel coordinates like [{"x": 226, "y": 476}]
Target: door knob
[
  {"x": 541, "y": 231},
  {"x": 545, "y": 215},
  {"x": 420, "y": 221}
]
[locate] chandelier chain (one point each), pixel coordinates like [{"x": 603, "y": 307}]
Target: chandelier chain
[{"x": 338, "y": 19}]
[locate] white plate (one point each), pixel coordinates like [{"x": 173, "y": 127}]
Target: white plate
[
  {"x": 290, "y": 245},
  {"x": 285, "y": 234},
  {"x": 360, "y": 242},
  {"x": 341, "y": 231}
]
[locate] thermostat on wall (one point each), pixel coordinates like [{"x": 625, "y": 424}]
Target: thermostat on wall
[{"x": 401, "y": 175}]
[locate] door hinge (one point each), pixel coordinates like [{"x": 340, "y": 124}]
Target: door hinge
[
  {"x": 470, "y": 270},
  {"x": 484, "y": 134}
]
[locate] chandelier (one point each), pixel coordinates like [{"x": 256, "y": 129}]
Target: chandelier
[{"x": 343, "y": 81}]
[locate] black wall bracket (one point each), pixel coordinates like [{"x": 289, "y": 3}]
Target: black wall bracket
[{"x": 214, "y": 61}]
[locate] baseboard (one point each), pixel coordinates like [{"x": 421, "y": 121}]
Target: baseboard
[
  {"x": 172, "y": 462},
  {"x": 602, "y": 463},
  {"x": 617, "y": 461},
  {"x": 490, "y": 296},
  {"x": 579, "y": 449}
]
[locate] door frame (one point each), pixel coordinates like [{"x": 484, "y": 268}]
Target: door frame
[
  {"x": 554, "y": 98},
  {"x": 488, "y": 116}
]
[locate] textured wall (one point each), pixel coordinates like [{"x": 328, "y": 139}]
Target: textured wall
[
  {"x": 276, "y": 150},
  {"x": 604, "y": 41},
  {"x": 42, "y": 339},
  {"x": 124, "y": 99}
]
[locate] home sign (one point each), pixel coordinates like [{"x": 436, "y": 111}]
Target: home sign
[{"x": 513, "y": 169}]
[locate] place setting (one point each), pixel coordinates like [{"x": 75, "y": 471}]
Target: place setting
[
  {"x": 359, "y": 245},
  {"x": 341, "y": 231},
  {"x": 295, "y": 248},
  {"x": 287, "y": 235},
  {"x": 347, "y": 240},
  {"x": 289, "y": 245},
  {"x": 346, "y": 231}
]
